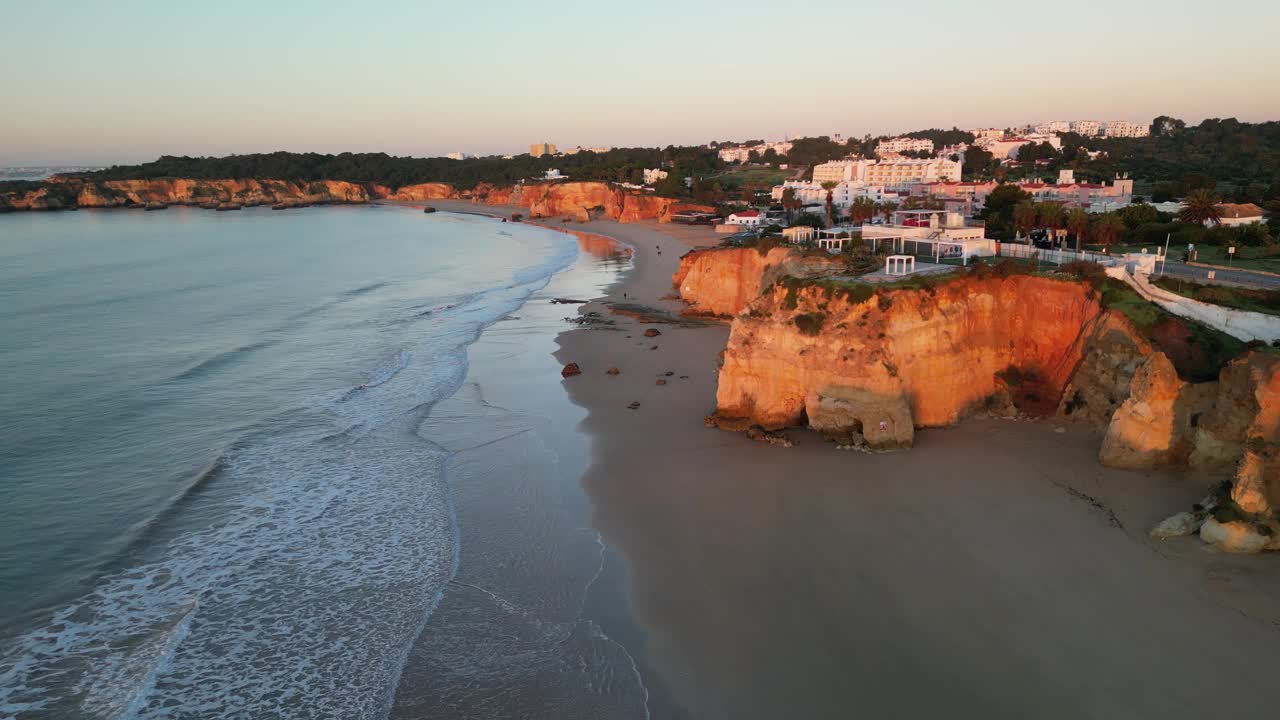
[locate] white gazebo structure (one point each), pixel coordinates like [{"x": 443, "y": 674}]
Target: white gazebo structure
[{"x": 900, "y": 264}]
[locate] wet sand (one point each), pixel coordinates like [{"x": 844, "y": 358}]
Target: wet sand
[{"x": 996, "y": 570}]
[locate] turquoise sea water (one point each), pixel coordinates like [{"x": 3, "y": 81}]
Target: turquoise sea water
[{"x": 215, "y": 488}]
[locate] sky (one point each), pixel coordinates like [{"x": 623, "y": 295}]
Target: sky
[{"x": 127, "y": 81}]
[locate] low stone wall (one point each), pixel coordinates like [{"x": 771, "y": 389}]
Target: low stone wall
[{"x": 1236, "y": 323}]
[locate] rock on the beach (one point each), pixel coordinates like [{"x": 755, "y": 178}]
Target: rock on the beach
[
  {"x": 884, "y": 421},
  {"x": 570, "y": 370},
  {"x": 660, "y": 382},
  {"x": 612, "y": 371},
  {"x": 634, "y": 405},
  {"x": 1149, "y": 428},
  {"x": 1180, "y": 525},
  {"x": 1236, "y": 536},
  {"x": 652, "y": 332}
]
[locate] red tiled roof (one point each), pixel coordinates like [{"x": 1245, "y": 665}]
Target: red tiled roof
[
  {"x": 1239, "y": 210},
  {"x": 747, "y": 213}
]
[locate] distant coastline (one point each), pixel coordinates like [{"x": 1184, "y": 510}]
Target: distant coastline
[{"x": 578, "y": 201}]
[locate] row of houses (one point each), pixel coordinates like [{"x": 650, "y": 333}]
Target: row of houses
[
  {"x": 742, "y": 153},
  {"x": 1087, "y": 128},
  {"x": 968, "y": 198}
]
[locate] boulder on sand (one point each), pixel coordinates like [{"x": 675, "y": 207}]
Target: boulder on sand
[
  {"x": 612, "y": 371},
  {"x": 883, "y": 421},
  {"x": 1182, "y": 524},
  {"x": 570, "y": 370},
  {"x": 652, "y": 332}
]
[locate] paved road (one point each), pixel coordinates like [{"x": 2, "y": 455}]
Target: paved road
[{"x": 1222, "y": 276}]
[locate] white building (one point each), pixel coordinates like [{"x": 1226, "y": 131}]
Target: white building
[
  {"x": 979, "y": 133},
  {"x": 1053, "y": 126},
  {"x": 652, "y": 176},
  {"x": 745, "y": 218},
  {"x": 958, "y": 149},
  {"x": 554, "y": 174},
  {"x": 842, "y": 195},
  {"x": 1121, "y": 128},
  {"x": 1088, "y": 128},
  {"x": 836, "y": 171},
  {"x": 904, "y": 144},
  {"x": 1007, "y": 148},
  {"x": 742, "y": 153},
  {"x": 459, "y": 156},
  {"x": 891, "y": 174},
  {"x": 798, "y": 233}
]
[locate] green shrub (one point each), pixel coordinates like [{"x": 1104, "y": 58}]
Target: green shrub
[{"x": 811, "y": 323}]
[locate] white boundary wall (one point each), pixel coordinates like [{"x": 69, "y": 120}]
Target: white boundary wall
[{"x": 1237, "y": 323}]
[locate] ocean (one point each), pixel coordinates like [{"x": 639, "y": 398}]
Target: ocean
[{"x": 238, "y": 461}]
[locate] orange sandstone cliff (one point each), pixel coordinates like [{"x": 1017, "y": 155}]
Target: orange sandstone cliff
[
  {"x": 804, "y": 352},
  {"x": 583, "y": 200},
  {"x": 578, "y": 200},
  {"x": 72, "y": 192},
  {"x": 870, "y": 365},
  {"x": 721, "y": 281}
]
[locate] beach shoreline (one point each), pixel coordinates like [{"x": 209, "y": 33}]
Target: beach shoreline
[{"x": 766, "y": 582}]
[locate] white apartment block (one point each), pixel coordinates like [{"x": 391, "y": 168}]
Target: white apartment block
[
  {"x": 836, "y": 171},
  {"x": 892, "y": 174},
  {"x": 1053, "y": 126},
  {"x": 652, "y": 176},
  {"x": 904, "y": 144},
  {"x": 1121, "y": 128},
  {"x": 842, "y": 195},
  {"x": 980, "y": 133},
  {"x": 1087, "y": 128},
  {"x": 1007, "y": 149},
  {"x": 742, "y": 153}
]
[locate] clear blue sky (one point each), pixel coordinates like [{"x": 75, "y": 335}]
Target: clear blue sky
[{"x": 126, "y": 81}]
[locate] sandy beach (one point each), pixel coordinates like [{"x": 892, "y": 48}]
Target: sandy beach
[{"x": 995, "y": 570}]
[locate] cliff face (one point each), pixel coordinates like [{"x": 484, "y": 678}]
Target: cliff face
[
  {"x": 126, "y": 193},
  {"x": 423, "y": 191},
  {"x": 575, "y": 200},
  {"x": 1154, "y": 425},
  {"x": 580, "y": 200},
  {"x": 721, "y": 281},
  {"x": 941, "y": 351}
]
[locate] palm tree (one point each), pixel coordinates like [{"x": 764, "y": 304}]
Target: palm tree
[
  {"x": 861, "y": 210},
  {"x": 1200, "y": 207},
  {"x": 1108, "y": 229},
  {"x": 790, "y": 203},
  {"x": 1024, "y": 216},
  {"x": 1052, "y": 215},
  {"x": 1077, "y": 223},
  {"x": 888, "y": 207},
  {"x": 829, "y": 186}
]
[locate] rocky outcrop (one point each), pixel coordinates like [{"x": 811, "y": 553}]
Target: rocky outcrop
[
  {"x": 1257, "y": 485},
  {"x": 1153, "y": 428},
  {"x": 944, "y": 351},
  {"x": 858, "y": 417},
  {"x": 575, "y": 200},
  {"x": 423, "y": 191},
  {"x": 1112, "y": 354},
  {"x": 72, "y": 192},
  {"x": 581, "y": 201},
  {"x": 721, "y": 281}
]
